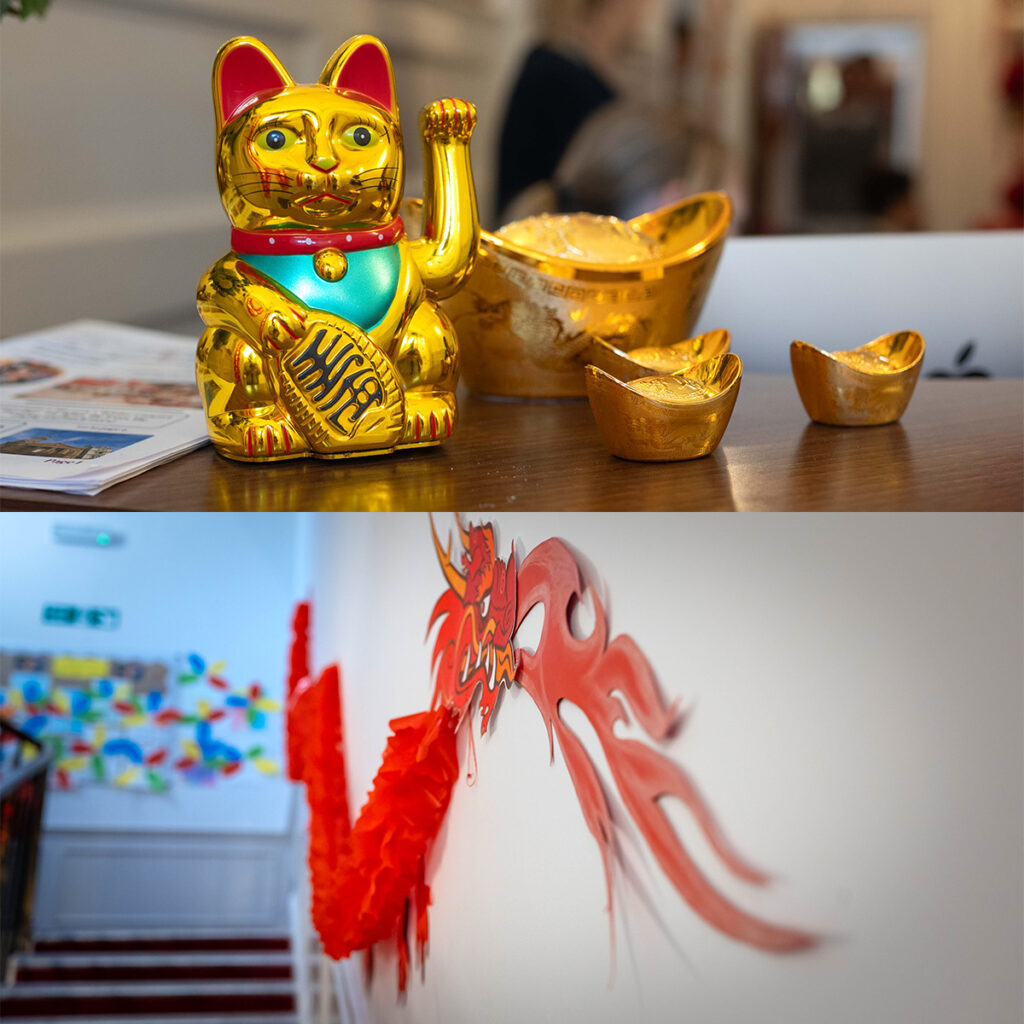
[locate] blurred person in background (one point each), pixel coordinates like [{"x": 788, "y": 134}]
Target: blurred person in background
[
  {"x": 628, "y": 159},
  {"x": 572, "y": 143},
  {"x": 564, "y": 79}
]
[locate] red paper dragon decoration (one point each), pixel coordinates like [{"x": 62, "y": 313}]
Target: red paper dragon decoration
[{"x": 366, "y": 881}]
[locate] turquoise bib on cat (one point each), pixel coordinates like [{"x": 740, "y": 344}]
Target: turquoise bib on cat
[{"x": 361, "y": 297}]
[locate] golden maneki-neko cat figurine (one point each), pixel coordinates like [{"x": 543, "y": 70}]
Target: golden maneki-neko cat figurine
[{"x": 324, "y": 337}]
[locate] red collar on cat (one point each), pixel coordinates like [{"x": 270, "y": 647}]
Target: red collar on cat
[{"x": 283, "y": 243}]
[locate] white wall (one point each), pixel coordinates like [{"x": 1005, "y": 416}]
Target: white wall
[
  {"x": 842, "y": 291},
  {"x": 223, "y": 586},
  {"x": 857, "y": 694}
]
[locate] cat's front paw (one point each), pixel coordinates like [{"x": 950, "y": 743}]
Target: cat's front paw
[
  {"x": 448, "y": 120},
  {"x": 253, "y": 435}
]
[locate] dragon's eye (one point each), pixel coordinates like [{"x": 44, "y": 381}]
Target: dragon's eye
[
  {"x": 276, "y": 138},
  {"x": 359, "y": 136}
]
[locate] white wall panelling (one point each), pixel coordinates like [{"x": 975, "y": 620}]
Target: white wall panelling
[{"x": 183, "y": 883}]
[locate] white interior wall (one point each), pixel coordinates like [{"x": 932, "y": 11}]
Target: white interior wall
[{"x": 857, "y": 710}]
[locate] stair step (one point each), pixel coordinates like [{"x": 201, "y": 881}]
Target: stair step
[
  {"x": 192, "y": 1018},
  {"x": 74, "y": 999},
  {"x": 128, "y": 943},
  {"x": 211, "y": 959},
  {"x": 153, "y": 972}
]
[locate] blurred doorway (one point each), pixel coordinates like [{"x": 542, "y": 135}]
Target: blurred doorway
[{"x": 839, "y": 120}]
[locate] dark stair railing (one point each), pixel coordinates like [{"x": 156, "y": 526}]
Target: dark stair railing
[{"x": 22, "y": 789}]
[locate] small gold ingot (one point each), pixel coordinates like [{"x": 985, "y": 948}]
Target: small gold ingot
[
  {"x": 861, "y": 387},
  {"x": 668, "y": 417},
  {"x": 330, "y": 264},
  {"x": 648, "y": 361},
  {"x": 527, "y": 319}
]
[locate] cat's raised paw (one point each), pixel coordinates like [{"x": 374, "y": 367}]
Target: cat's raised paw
[{"x": 447, "y": 120}]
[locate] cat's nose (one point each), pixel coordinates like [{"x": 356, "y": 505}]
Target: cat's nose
[{"x": 324, "y": 162}]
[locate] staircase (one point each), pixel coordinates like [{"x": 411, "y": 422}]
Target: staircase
[{"x": 172, "y": 980}]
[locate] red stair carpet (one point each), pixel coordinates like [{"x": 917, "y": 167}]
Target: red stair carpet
[{"x": 173, "y": 980}]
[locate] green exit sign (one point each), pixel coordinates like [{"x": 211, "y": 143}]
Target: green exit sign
[{"x": 69, "y": 615}]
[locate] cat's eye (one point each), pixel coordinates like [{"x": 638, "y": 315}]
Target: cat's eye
[
  {"x": 359, "y": 136},
  {"x": 275, "y": 138}
]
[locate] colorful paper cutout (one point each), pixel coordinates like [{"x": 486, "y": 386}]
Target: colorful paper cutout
[{"x": 117, "y": 723}]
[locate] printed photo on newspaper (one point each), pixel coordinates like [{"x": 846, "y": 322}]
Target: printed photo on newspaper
[{"x": 89, "y": 404}]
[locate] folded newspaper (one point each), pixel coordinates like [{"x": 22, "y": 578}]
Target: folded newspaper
[{"x": 89, "y": 404}]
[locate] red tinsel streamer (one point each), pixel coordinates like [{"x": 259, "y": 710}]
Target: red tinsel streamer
[
  {"x": 382, "y": 868},
  {"x": 365, "y": 879},
  {"x": 319, "y": 710},
  {"x": 298, "y": 672}
]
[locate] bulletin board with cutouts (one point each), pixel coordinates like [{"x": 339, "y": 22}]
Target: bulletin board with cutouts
[{"x": 140, "y": 724}]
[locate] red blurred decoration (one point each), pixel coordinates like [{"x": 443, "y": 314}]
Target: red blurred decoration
[
  {"x": 368, "y": 880},
  {"x": 327, "y": 796},
  {"x": 382, "y": 867},
  {"x": 298, "y": 679},
  {"x": 591, "y": 673}
]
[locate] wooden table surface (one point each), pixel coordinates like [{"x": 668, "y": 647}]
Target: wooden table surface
[{"x": 958, "y": 447}]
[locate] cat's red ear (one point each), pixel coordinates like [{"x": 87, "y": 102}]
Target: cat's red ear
[
  {"x": 245, "y": 72},
  {"x": 362, "y": 65}
]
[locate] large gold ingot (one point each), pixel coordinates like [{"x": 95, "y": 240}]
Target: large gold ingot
[
  {"x": 527, "y": 320},
  {"x": 324, "y": 333},
  {"x": 667, "y": 417},
  {"x": 865, "y": 386}
]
